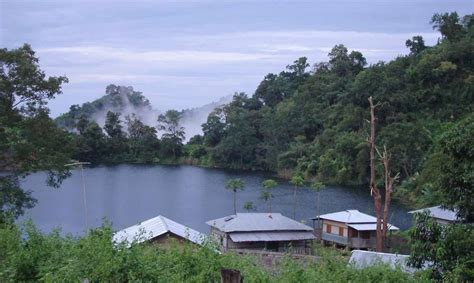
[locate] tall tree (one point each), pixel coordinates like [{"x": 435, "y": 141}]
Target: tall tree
[
  {"x": 143, "y": 142},
  {"x": 169, "y": 123},
  {"x": 23, "y": 84},
  {"x": 116, "y": 139},
  {"x": 416, "y": 44},
  {"x": 381, "y": 211},
  {"x": 456, "y": 173},
  {"x": 266, "y": 194},
  {"x": 374, "y": 191},
  {"x": 29, "y": 139},
  {"x": 235, "y": 185},
  {"x": 317, "y": 187},
  {"x": 297, "y": 181},
  {"x": 448, "y": 24}
]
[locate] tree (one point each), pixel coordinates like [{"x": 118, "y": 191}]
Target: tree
[
  {"x": 456, "y": 178},
  {"x": 143, "y": 142},
  {"x": 174, "y": 133},
  {"x": 235, "y": 185},
  {"x": 317, "y": 187},
  {"x": 23, "y": 84},
  {"x": 213, "y": 129},
  {"x": 416, "y": 44},
  {"x": 297, "y": 181},
  {"x": 448, "y": 24},
  {"x": 266, "y": 194},
  {"x": 447, "y": 250},
  {"x": 116, "y": 139},
  {"x": 29, "y": 139},
  {"x": 113, "y": 126},
  {"x": 389, "y": 181},
  {"x": 299, "y": 67},
  {"x": 382, "y": 217},
  {"x": 91, "y": 144}
]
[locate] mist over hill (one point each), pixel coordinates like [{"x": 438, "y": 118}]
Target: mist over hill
[{"x": 127, "y": 101}]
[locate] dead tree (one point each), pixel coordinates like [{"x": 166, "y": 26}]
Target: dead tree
[
  {"x": 389, "y": 181},
  {"x": 374, "y": 191},
  {"x": 382, "y": 220}
]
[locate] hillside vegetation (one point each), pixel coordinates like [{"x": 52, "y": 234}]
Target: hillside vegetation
[{"x": 312, "y": 120}]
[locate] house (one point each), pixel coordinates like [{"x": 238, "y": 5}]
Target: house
[
  {"x": 261, "y": 231},
  {"x": 362, "y": 259},
  {"x": 158, "y": 230},
  {"x": 441, "y": 215},
  {"x": 349, "y": 228}
]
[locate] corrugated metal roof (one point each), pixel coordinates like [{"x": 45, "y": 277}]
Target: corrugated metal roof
[
  {"x": 246, "y": 222},
  {"x": 438, "y": 212},
  {"x": 370, "y": 227},
  {"x": 362, "y": 259},
  {"x": 155, "y": 227},
  {"x": 349, "y": 216},
  {"x": 271, "y": 236}
]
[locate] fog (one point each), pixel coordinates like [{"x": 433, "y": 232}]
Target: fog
[{"x": 118, "y": 99}]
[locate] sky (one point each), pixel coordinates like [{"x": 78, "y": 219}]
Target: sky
[{"x": 184, "y": 54}]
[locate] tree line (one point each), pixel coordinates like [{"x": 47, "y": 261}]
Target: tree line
[{"x": 129, "y": 141}]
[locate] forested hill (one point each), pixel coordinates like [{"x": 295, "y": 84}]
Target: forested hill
[
  {"x": 127, "y": 102},
  {"x": 312, "y": 119},
  {"x": 119, "y": 99}
]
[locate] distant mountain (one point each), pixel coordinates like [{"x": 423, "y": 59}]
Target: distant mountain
[{"x": 127, "y": 101}]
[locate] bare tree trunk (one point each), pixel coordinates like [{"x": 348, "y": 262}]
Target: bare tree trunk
[
  {"x": 235, "y": 202},
  {"x": 294, "y": 202},
  {"x": 374, "y": 192},
  {"x": 389, "y": 181}
]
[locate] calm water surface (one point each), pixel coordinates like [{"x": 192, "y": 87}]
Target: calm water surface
[{"x": 128, "y": 194}]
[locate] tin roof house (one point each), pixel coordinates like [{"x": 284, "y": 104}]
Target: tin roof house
[
  {"x": 159, "y": 230},
  {"x": 441, "y": 215},
  {"x": 349, "y": 228},
  {"x": 261, "y": 231}
]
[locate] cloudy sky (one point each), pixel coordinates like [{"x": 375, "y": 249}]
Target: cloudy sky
[{"x": 184, "y": 54}]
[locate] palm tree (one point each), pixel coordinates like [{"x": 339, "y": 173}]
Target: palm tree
[
  {"x": 235, "y": 185},
  {"x": 266, "y": 194},
  {"x": 296, "y": 181},
  {"x": 317, "y": 187}
]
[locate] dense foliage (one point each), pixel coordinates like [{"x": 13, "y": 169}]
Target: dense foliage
[
  {"x": 29, "y": 139},
  {"x": 54, "y": 258},
  {"x": 448, "y": 250},
  {"x": 314, "y": 121}
]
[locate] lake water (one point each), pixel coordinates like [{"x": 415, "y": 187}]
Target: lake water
[{"x": 128, "y": 194}]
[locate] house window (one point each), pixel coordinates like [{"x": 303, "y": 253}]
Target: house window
[
  {"x": 365, "y": 235},
  {"x": 328, "y": 228},
  {"x": 341, "y": 231}
]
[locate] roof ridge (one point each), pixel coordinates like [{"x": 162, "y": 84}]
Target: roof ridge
[{"x": 163, "y": 219}]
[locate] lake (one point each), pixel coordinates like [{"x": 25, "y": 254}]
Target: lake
[{"x": 128, "y": 194}]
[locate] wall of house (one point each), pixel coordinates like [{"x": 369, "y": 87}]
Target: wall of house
[
  {"x": 219, "y": 237},
  {"x": 335, "y": 228},
  {"x": 442, "y": 221},
  {"x": 276, "y": 246}
]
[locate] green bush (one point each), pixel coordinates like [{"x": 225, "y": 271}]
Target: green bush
[{"x": 26, "y": 254}]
